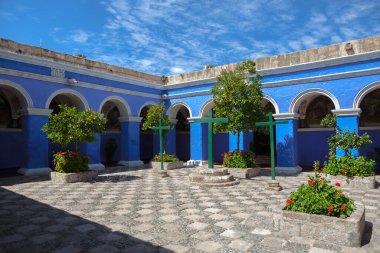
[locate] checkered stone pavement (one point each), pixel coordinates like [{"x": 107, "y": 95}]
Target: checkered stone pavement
[{"x": 138, "y": 211}]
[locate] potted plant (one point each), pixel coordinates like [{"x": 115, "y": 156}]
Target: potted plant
[
  {"x": 241, "y": 164},
  {"x": 170, "y": 162},
  {"x": 238, "y": 97},
  {"x": 320, "y": 210},
  {"x": 348, "y": 168},
  {"x": 71, "y": 127}
]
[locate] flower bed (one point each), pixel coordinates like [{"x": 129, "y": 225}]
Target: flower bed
[
  {"x": 85, "y": 176},
  {"x": 239, "y": 159},
  {"x": 70, "y": 161}
]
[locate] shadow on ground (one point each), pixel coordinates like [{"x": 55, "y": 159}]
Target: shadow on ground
[{"x": 30, "y": 226}]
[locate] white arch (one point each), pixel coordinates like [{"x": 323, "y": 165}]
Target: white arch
[
  {"x": 26, "y": 99},
  {"x": 273, "y": 102},
  {"x": 80, "y": 100},
  {"x": 149, "y": 103},
  {"x": 364, "y": 92},
  {"x": 122, "y": 105},
  {"x": 297, "y": 100},
  {"x": 206, "y": 107},
  {"x": 174, "y": 108}
]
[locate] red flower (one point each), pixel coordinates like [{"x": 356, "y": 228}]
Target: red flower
[
  {"x": 289, "y": 201},
  {"x": 337, "y": 184},
  {"x": 321, "y": 180},
  {"x": 339, "y": 192},
  {"x": 330, "y": 208},
  {"x": 343, "y": 172},
  {"x": 309, "y": 182},
  {"x": 342, "y": 207}
]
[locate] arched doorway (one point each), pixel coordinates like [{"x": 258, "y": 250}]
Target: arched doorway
[
  {"x": 110, "y": 140},
  {"x": 312, "y": 137},
  {"x": 182, "y": 130},
  {"x": 369, "y": 122},
  {"x": 146, "y": 138},
  {"x": 261, "y": 139},
  {"x": 12, "y": 102}
]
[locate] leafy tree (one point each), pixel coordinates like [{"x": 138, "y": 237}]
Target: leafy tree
[
  {"x": 238, "y": 98},
  {"x": 154, "y": 114},
  {"x": 70, "y": 126}
]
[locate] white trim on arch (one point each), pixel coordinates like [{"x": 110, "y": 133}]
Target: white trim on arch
[
  {"x": 297, "y": 100},
  {"x": 122, "y": 105},
  {"x": 174, "y": 108},
  {"x": 28, "y": 101},
  {"x": 364, "y": 92},
  {"x": 149, "y": 103},
  {"x": 207, "y": 106},
  {"x": 273, "y": 102},
  {"x": 71, "y": 93}
]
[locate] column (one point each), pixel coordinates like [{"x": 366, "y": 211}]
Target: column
[
  {"x": 198, "y": 143},
  {"x": 171, "y": 138},
  {"x": 287, "y": 143},
  {"x": 36, "y": 147},
  {"x": 245, "y": 139},
  {"x": 93, "y": 149},
  {"x": 347, "y": 120},
  {"x": 130, "y": 141}
]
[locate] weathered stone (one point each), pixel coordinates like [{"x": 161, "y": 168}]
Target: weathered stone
[
  {"x": 85, "y": 176},
  {"x": 167, "y": 165},
  {"x": 354, "y": 182},
  {"x": 244, "y": 173}
]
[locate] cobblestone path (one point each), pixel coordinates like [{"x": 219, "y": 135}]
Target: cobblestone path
[{"x": 137, "y": 211}]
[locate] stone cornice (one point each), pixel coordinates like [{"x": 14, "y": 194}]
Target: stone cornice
[
  {"x": 347, "y": 112},
  {"x": 130, "y": 119},
  {"x": 36, "y": 111},
  {"x": 285, "y": 116}
]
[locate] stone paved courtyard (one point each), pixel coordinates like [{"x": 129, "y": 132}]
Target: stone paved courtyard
[{"x": 137, "y": 211}]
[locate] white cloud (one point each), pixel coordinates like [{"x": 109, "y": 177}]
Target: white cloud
[
  {"x": 177, "y": 70},
  {"x": 79, "y": 36}
]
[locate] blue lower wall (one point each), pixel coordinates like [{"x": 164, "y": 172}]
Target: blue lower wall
[
  {"x": 312, "y": 146},
  {"x": 11, "y": 149},
  {"x": 146, "y": 146},
  {"x": 370, "y": 149},
  {"x": 221, "y": 145}
]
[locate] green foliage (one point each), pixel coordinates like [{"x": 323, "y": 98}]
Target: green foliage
[
  {"x": 154, "y": 114},
  {"x": 349, "y": 165},
  {"x": 70, "y": 162},
  {"x": 329, "y": 121},
  {"x": 239, "y": 159},
  {"x": 348, "y": 140},
  {"x": 238, "y": 98},
  {"x": 166, "y": 158},
  {"x": 70, "y": 126},
  {"x": 318, "y": 196},
  {"x": 110, "y": 149}
]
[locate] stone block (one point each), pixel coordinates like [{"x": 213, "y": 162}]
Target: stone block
[
  {"x": 354, "y": 182},
  {"x": 244, "y": 173},
  {"x": 167, "y": 165},
  {"x": 85, "y": 176}
]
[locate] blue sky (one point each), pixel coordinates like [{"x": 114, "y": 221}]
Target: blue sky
[{"x": 177, "y": 36}]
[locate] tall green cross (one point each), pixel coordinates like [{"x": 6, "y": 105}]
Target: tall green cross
[
  {"x": 271, "y": 123},
  {"x": 160, "y": 128},
  {"x": 209, "y": 120}
]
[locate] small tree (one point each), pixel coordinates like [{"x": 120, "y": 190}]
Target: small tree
[
  {"x": 238, "y": 98},
  {"x": 70, "y": 126},
  {"x": 154, "y": 114}
]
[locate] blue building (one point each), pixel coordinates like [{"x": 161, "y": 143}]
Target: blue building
[{"x": 300, "y": 87}]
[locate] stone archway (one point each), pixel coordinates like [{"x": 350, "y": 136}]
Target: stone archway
[{"x": 182, "y": 131}]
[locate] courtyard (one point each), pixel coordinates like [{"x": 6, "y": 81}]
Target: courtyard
[{"x": 138, "y": 211}]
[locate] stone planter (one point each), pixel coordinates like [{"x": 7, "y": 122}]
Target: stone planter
[
  {"x": 85, "y": 176},
  {"x": 167, "y": 165},
  {"x": 344, "y": 232},
  {"x": 354, "y": 182},
  {"x": 244, "y": 173}
]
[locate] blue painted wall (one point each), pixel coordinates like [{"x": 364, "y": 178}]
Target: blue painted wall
[
  {"x": 104, "y": 138},
  {"x": 313, "y": 146},
  {"x": 11, "y": 151}
]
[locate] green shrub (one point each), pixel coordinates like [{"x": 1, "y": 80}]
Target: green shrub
[
  {"x": 318, "y": 196},
  {"x": 166, "y": 157},
  {"x": 70, "y": 161},
  {"x": 239, "y": 159},
  {"x": 349, "y": 166}
]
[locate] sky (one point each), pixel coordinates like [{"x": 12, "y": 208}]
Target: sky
[{"x": 168, "y": 37}]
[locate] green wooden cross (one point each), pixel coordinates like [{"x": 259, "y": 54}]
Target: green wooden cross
[
  {"x": 209, "y": 120},
  {"x": 160, "y": 128},
  {"x": 271, "y": 123}
]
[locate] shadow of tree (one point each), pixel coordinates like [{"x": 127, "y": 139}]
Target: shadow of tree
[{"x": 30, "y": 226}]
